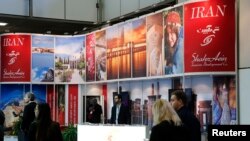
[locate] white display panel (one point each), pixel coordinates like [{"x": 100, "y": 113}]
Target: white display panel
[
  {"x": 110, "y": 133},
  {"x": 244, "y": 31},
  {"x": 244, "y": 96}
]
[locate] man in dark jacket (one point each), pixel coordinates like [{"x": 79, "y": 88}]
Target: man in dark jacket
[
  {"x": 94, "y": 112},
  {"x": 120, "y": 112},
  {"x": 28, "y": 113},
  {"x": 178, "y": 101}
]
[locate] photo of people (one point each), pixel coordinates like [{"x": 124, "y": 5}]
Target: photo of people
[
  {"x": 154, "y": 44},
  {"x": 173, "y": 37},
  {"x": 224, "y": 100}
]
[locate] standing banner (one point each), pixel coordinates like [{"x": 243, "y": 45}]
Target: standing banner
[
  {"x": 15, "y": 58},
  {"x": 73, "y": 104},
  {"x": 210, "y": 36}
]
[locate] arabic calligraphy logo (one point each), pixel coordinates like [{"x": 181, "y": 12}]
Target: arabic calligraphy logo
[
  {"x": 13, "y": 57},
  {"x": 208, "y": 30},
  {"x": 207, "y": 40}
]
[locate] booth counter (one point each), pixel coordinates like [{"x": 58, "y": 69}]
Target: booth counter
[{"x": 108, "y": 132}]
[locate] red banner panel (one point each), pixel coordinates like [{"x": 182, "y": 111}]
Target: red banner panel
[
  {"x": 209, "y": 36},
  {"x": 73, "y": 104},
  {"x": 50, "y": 100},
  {"x": 60, "y": 103},
  {"x": 104, "y": 94},
  {"x": 15, "y": 57},
  {"x": 90, "y": 57}
]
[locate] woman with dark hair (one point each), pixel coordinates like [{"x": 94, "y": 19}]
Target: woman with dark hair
[
  {"x": 173, "y": 43},
  {"x": 43, "y": 128}
]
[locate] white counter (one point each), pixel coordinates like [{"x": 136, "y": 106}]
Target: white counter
[
  {"x": 10, "y": 138},
  {"x": 111, "y": 132}
]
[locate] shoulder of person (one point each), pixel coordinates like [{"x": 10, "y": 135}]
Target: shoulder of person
[
  {"x": 31, "y": 104},
  {"x": 184, "y": 111},
  {"x": 163, "y": 124},
  {"x": 183, "y": 133},
  {"x": 124, "y": 106},
  {"x": 54, "y": 126}
]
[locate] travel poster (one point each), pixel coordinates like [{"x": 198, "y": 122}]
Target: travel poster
[
  {"x": 70, "y": 59},
  {"x": 42, "y": 58},
  {"x": 210, "y": 42}
]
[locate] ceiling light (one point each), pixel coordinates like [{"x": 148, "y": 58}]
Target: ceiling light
[
  {"x": 108, "y": 21},
  {"x": 65, "y": 33},
  {"x": 3, "y": 24},
  {"x": 84, "y": 28}
]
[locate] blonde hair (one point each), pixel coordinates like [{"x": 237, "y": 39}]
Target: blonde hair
[{"x": 162, "y": 110}]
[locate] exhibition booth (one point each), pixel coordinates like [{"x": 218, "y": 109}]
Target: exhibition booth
[{"x": 190, "y": 46}]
